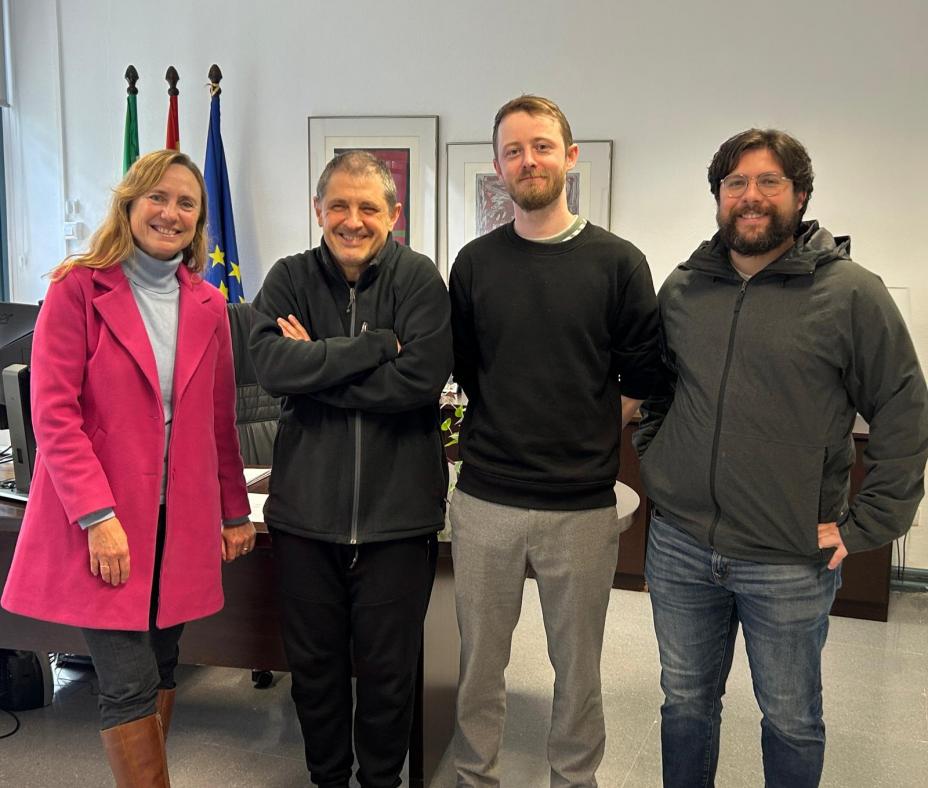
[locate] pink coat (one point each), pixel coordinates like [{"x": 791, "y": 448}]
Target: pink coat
[{"x": 99, "y": 426}]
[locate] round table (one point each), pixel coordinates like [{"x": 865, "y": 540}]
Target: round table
[{"x": 626, "y": 504}]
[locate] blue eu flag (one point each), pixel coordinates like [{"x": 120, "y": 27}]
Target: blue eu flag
[{"x": 222, "y": 264}]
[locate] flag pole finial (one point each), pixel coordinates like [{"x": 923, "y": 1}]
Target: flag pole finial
[
  {"x": 215, "y": 76},
  {"x": 132, "y": 76},
  {"x": 172, "y": 78}
]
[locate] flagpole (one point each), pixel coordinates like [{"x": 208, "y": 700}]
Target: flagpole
[
  {"x": 222, "y": 269},
  {"x": 215, "y": 77},
  {"x": 130, "y": 143},
  {"x": 173, "y": 133}
]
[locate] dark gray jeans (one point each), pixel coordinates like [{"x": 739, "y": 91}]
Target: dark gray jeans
[{"x": 132, "y": 666}]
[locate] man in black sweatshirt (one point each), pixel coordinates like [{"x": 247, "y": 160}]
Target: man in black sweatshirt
[
  {"x": 548, "y": 313},
  {"x": 355, "y": 336}
]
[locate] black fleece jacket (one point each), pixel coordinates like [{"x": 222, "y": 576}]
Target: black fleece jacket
[
  {"x": 542, "y": 333},
  {"x": 358, "y": 456}
]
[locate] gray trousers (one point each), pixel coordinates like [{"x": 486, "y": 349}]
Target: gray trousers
[{"x": 573, "y": 555}]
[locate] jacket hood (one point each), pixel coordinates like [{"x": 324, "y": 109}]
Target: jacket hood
[{"x": 814, "y": 247}]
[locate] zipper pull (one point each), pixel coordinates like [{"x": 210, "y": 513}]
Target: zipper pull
[
  {"x": 350, "y": 300},
  {"x": 744, "y": 286},
  {"x": 363, "y": 326}
]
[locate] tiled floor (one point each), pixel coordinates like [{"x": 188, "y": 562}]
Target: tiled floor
[{"x": 227, "y": 734}]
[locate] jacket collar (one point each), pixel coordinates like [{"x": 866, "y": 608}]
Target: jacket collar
[
  {"x": 370, "y": 273},
  {"x": 196, "y": 327},
  {"x": 196, "y": 324},
  {"x": 814, "y": 246}
]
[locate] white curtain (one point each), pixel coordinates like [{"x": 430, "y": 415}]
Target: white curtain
[{"x": 4, "y": 50}]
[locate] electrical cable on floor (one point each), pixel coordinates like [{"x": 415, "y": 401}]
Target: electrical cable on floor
[
  {"x": 16, "y": 727},
  {"x": 902, "y": 565},
  {"x": 59, "y": 682},
  {"x": 16, "y": 724},
  {"x": 912, "y": 579}
]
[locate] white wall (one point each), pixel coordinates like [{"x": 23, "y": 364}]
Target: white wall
[{"x": 667, "y": 80}]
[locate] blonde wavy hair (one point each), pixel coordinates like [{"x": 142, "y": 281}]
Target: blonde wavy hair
[{"x": 112, "y": 241}]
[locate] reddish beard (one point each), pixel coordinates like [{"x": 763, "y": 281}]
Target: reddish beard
[{"x": 534, "y": 195}]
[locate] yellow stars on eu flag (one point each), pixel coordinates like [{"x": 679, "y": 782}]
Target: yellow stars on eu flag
[
  {"x": 229, "y": 271},
  {"x": 218, "y": 256}
]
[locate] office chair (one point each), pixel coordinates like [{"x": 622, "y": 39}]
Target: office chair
[{"x": 256, "y": 411}]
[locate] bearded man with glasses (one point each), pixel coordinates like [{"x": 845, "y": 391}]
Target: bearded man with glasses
[{"x": 773, "y": 340}]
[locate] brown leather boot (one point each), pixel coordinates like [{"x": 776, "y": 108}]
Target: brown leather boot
[
  {"x": 165, "y": 709},
  {"x": 135, "y": 751}
]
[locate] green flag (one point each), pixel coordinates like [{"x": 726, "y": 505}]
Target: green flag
[{"x": 130, "y": 147}]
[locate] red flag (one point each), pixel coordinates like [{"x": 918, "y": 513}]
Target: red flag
[{"x": 173, "y": 136}]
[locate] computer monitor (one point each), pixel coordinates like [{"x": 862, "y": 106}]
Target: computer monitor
[{"x": 17, "y": 323}]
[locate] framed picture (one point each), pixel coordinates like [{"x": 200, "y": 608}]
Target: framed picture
[
  {"x": 478, "y": 202},
  {"x": 409, "y": 147}
]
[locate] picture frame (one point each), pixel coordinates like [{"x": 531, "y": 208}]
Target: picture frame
[
  {"x": 477, "y": 202},
  {"x": 409, "y": 146}
]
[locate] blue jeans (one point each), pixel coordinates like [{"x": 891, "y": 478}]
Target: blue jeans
[{"x": 698, "y": 598}]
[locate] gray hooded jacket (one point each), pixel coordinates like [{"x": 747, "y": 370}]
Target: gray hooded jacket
[{"x": 751, "y": 447}]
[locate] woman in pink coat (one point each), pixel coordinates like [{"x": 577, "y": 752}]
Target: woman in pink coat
[{"x": 138, "y": 488}]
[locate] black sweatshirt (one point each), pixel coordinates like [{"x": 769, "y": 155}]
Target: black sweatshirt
[
  {"x": 542, "y": 333},
  {"x": 358, "y": 455}
]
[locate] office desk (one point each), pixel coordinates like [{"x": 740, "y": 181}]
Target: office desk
[{"x": 245, "y": 635}]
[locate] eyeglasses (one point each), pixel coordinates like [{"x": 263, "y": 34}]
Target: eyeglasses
[{"x": 770, "y": 184}]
